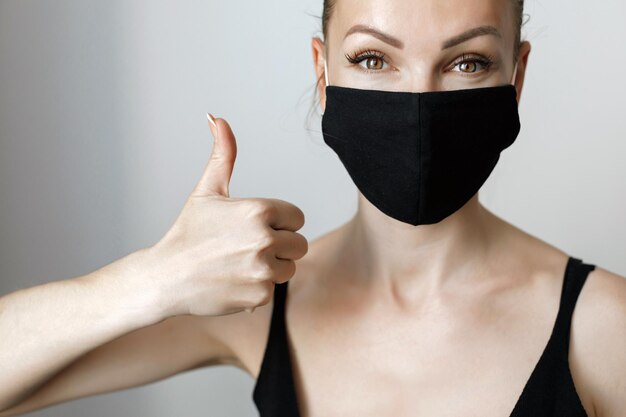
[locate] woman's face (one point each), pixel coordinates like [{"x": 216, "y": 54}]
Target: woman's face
[{"x": 420, "y": 45}]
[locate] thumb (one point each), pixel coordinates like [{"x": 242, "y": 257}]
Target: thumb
[{"x": 218, "y": 171}]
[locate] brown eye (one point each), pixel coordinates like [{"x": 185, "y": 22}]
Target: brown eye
[
  {"x": 468, "y": 66},
  {"x": 376, "y": 63},
  {"x": 471, "y": 65}
]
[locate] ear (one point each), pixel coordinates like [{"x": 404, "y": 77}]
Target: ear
[
  {"x": 318, "y": 48},
  {"x": 521, "y": 68}
]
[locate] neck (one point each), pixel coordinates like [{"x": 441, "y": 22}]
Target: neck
[{"x": 390, "y": 255}]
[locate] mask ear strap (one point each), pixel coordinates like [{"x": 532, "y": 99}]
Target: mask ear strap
[
  {"x": 514, "y": 73},
  {"x": 326, "y": 72}
]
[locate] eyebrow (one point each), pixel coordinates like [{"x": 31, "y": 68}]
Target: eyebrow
[
  {"x": 449, "y": 43},
  {"x": 396, "y": 43},
  {"x": 469, "y": 34}
]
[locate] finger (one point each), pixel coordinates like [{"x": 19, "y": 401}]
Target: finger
[
  {"x": 284, "y": 270},
  {"x": 216, "y": 177},
  {"x": 290, "y": 245},
  {"x": 286, "y": 216}
]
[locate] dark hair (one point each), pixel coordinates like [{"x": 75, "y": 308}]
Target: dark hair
[{"x": 329, "y": 6}]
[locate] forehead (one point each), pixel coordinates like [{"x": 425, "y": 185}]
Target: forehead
[{"x": 422, "y": 22}]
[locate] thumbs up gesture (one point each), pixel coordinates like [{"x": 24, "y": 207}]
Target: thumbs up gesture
[{"x": 223, "y": 255}]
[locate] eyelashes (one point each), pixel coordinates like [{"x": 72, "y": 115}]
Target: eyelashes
[
  {"x": 361, "y": 55},
  {"x": 358, "y": 56},
  {"x": 484, "y": 61}
]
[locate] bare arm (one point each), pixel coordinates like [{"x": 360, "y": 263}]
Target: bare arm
[
  {"x": 599, "y": 342},
  {"x": 145, "y": 355},
  {"x": 45, "y": 328},
  {"x": 607, "y": 357},
  {"x": 122, "y": 323}
]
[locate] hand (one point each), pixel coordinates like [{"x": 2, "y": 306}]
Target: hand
[{"x": 224, "y": 255}]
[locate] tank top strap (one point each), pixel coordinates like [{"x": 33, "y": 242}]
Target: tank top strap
[
  {"x": 274, "y": 393},
  {"x": 576, "y": 274},
  {"x": 550, "y": 390}
]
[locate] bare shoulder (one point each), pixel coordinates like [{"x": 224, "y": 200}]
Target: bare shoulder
[{"x": 598, "y": 342}]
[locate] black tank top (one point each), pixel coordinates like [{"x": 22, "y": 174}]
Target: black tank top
[{"x": 549, "y": 391}]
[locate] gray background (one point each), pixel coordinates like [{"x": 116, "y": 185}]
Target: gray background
[{"x": 103, "y": 135}]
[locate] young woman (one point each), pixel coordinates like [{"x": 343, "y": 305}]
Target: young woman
[{"x": 423, "y": 304}]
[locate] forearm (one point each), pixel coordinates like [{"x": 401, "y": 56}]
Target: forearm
[{"x": 45, "y": 328}]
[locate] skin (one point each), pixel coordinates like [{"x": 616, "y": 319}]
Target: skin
[
  {"x": 447, "y": 319},
  {"x": 384, "y": 318}
]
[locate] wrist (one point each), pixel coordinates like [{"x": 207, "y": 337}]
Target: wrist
[{"x": 132, "y": 289}]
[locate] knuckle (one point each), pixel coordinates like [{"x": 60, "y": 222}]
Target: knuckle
[
  {"x": 252, "y": 206},
  {"x": 263, "y": 272},
  {"x": 269, "y": 212},
  {"x": 263, "y": 209},
  {"x": 265, "y": 295},
  {"x": 261, "y": 295},
  {"x": 265, "y": 242}
]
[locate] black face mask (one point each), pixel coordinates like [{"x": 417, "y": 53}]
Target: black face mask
[{"x": 419, "y": 157}]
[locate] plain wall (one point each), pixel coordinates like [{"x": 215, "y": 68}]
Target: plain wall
[{"x": 103, "y": 135}]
